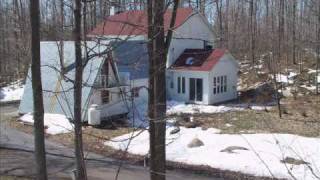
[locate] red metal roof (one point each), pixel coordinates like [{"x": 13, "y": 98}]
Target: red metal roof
[
  {"x": 135, "y": 22},
  {"x": 203, "y": 59}
]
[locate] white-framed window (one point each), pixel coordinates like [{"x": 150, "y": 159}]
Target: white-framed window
[
  {"x": 135, "y": 91},
  {"x": 181, "y": 85},
  {"x": 225, "y": 84},
  {"x": 214, "y": 85},
  {"x": 219, "y": 84}
]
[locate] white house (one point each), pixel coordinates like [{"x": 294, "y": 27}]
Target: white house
[
  {"x": 191, "y": 30},
  {"x": 203, "y": 76},
  {"x": 196, "y": 73}
]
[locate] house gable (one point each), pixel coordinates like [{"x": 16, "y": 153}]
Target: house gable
[
  {"x": 135, "y": 23},
  {"x": 195, "y": 27}
]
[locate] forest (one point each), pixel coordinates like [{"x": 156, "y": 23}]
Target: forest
[
  {"x": 247, "y": 91},
  {"x": 248, "y": 28}
]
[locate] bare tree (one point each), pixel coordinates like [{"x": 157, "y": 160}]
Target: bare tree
[
  {"x": 157, "y": 94},
  {"x": 318, "y": 52},
  {"x": 158, "y": 49},
  {"x": 61, "y": 44},
  {"x": 38, "y": 112},
  {"x": 294, "y": 14},
  {"x": 219, "y": 14},
  {"x": 80, "y": 163}
]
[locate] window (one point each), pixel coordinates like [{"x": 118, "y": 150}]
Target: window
[
  {"x": 179, "y": 84},
  {"x": 105, "y": 96},
  {"x": 135, "y": 91},
  {"x": 214, "y": 85},
  {"x": 199, "y": 86},
  {"x": 225, "y": 84},
  {"x": 183, "y": 85},
  {"x": 221, "y": 78},
  {"x": 171, "y": 84},
  {"x": 189, "y": 61},
  {"x": 219, "y": 84}
]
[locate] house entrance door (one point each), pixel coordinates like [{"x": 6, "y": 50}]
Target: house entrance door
[{"x": 195, "y": 89}]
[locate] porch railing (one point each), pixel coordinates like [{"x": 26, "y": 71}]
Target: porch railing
[{"x": 105, "y": 81}]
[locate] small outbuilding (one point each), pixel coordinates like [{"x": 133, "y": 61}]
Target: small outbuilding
[{"x": 203, "y": 76}]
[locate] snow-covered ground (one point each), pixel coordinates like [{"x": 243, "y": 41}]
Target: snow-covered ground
[
  {"x": 310, "y": 88},
  {"x": 261, "y": 157},
  {"x": 174, "y": 107},
  {"x": 281, "y": 78},
  {"x": 55, "y": 123},
  {"x": 12, "y": 92}
]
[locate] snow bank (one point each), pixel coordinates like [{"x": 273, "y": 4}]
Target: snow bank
[
  {"x": 12, "y": 92},
  {"x": 55, "y": 123},
  {"x": 174, "y": 107},
  {"x": 263, "y": 157}
]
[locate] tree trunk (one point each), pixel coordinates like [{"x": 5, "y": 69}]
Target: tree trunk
[
  {"x": 150, "y": 53},
  {"x": 38, "y": 112},
  {"x": 221, "y": 34},
  {"x": 252, "y": 13},
  {"x": 294, "y": 13},
  {"x": 61, "y": 44},
  {"x": 157, "y": 93},
  {"x": 318, "y": 52},
  {"x": 80, "y": 163},
  {"x": 202, "y": 7}
]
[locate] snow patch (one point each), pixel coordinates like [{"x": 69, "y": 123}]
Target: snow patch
[
  {"x": 310, "y": 71},
  {"x": 281, "y": 78},
  {"x": 228, "y": 125},
  {"x": 310, "y": 88},
  {"x": 263, "y": 157},
  {"x": 55, "y": 123},
  {"x": 260, "y": 108},
  {"x": 175, "y": 107},
  {"x": 13, "y": 92}
]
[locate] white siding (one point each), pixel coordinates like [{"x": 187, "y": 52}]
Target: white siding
[
  {"x": 173, "y": 92},
  {"x": 142, "y": 100},
  {"x": 194, "y": 27},
  {"x": 191, "y": 34},
  {"x": 177, "y": 47},
  {"x": 226, "y": 66},
  {"x": 96, "y": 97},
  {"x": 117, "y": 105}
]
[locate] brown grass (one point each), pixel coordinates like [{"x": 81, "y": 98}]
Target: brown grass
[{"x": 302, "y": 118}]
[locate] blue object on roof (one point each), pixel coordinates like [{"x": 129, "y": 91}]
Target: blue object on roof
[
  {"x": 132, "y": 57},
  {"x": 58, "y": 91}
]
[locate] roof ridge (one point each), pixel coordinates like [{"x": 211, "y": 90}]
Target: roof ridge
[{"x": 134, "y": 22}]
